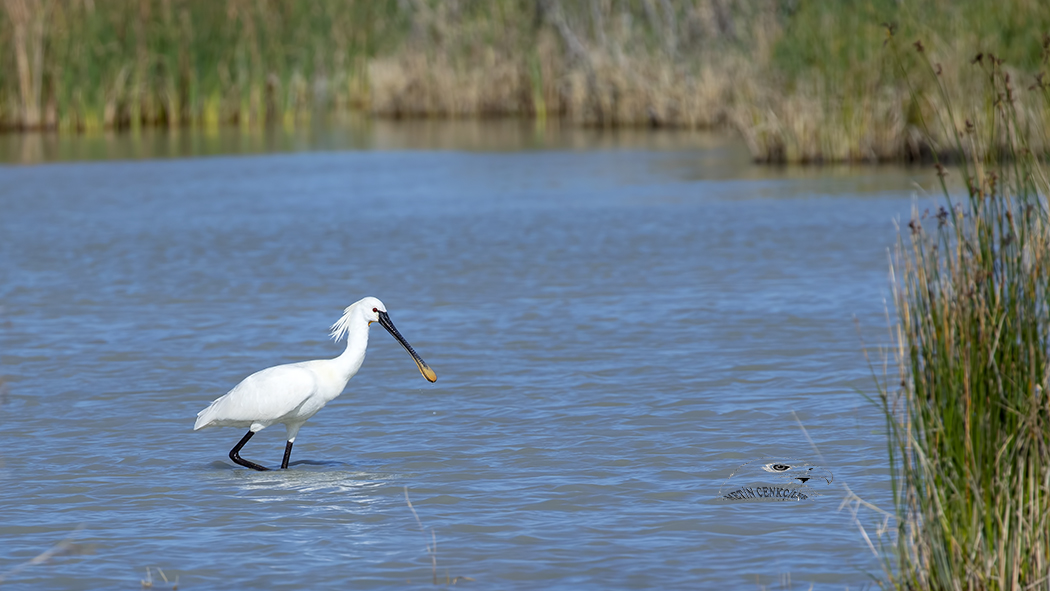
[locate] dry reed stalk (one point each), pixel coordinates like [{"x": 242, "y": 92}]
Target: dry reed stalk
[
  {"x": 28, "y": 18},
  {"x": 148, "y": 582},
  {"x": 431, "y": 547},
  {"x": 805, "y": 127},
  {"x": 423, "y": 85},
  {"x": 62, "y": 547},
  {"x": 592, "y": 67}
]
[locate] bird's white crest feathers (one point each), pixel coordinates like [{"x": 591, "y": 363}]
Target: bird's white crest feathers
[{"x": 342, "y": 326}]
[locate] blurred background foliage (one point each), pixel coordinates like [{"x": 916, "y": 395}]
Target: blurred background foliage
[{"x": 799, "y": 80}]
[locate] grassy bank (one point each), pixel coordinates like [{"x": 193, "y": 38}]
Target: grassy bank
[
  {"x": 969, "y": 420},
  {"x": 848, "y": 87},
  {"x": 76, "y": 65},
  {"x": 800, "y": 81},
  {"x": 82, "y": 65}
]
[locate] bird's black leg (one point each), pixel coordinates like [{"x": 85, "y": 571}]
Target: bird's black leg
[
  {"x": 287, "y": 454},
  {"x": 235, "y": 455}
]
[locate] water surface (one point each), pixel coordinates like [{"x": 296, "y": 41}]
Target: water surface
[{"x": 615, "y": 331}]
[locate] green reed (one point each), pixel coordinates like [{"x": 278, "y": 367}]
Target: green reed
[
  {"x": 82, "y": 64},
  {"x": 842, "y": 97},
  {"x": 801, "y": 81},
  {"x": 85, "y": 64},
  {"x": 969, "y": 420}
]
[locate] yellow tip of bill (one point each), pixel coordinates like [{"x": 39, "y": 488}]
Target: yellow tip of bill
[{"x": 427, "y": 372}]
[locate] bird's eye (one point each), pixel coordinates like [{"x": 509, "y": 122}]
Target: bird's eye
[{"x": 375, "y": 309}]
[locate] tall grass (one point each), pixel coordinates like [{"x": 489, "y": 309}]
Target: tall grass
[
  {"x": 122, "y": 64},
  {"x": 969, "y": 421},
  {"x": 838, "y": 94},
  {"x": 600, "y": 63},
  {"x": 801, "y": 81}
]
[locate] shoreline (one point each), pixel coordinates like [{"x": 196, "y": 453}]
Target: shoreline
[{"x": 807, "y": 85}]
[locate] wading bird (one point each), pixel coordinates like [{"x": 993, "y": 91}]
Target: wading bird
[{"x": 293, "y": 393}]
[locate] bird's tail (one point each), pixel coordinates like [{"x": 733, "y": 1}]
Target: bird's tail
[{"x": 203, "y": 418}]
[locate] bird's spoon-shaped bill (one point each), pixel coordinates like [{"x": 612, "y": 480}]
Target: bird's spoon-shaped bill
[
  {"x": 384, "y": 320},
  {"x": 426, "y": 371}
]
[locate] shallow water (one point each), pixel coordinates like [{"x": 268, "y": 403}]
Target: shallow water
[{"x": 615, "y": 331}]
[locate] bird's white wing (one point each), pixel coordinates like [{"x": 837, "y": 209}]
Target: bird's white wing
[{"x": 264, "y": 397}]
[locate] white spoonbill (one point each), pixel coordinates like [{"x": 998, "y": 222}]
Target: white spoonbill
[{"x": 294, "y": 392}]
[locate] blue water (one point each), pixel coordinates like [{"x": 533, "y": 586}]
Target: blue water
[{"x": 615, "y": 331}]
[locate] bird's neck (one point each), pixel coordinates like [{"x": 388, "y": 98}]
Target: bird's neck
[{"x": 356, "y": 343}]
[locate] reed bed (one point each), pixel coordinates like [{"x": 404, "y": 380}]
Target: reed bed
[
  {"x": 79, "y": 65},
  {"x": 847, "y": 91},
  {"x": 82, "y": 65},
  {"x": 969, "y": 420},
  {"x": 599, "y": 63},
  {"x": 800, "y": 81}
]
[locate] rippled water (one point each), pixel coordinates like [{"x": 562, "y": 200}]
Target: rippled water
[{"x": 614, "y": 331}]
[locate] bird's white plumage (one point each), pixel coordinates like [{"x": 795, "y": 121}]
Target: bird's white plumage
[
  {"x": 292, "y": 393},
  {"x": 341, "y": 328},
  {"x": 247, "y": 403}
]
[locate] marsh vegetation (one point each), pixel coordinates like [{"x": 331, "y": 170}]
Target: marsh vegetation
[
  {"x": 969, "y": 420},
  {"x": 801, "y": 82}
]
